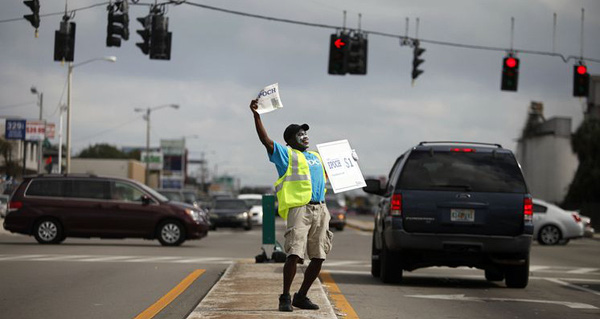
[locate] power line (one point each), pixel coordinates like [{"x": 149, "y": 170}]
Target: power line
[{"x": 318, "y": 25}]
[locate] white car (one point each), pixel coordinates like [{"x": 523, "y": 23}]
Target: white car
[
  {"x": 255, "y": 203},
  {"x": 553, "y": 225}
]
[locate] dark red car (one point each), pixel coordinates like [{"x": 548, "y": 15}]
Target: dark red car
[{"x": 54, "y": 207}]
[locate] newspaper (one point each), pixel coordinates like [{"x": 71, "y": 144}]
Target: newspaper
[
  {"x": 268, "y": 99},
  {"x": 340, "y": 162}
]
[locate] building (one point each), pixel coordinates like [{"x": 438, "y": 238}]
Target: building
[
  {"x": 124, "y": 168},
  {"x": 545, "y": 154}
]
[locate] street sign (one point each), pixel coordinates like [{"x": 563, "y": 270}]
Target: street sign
[
  {"x": 35, "y": 130},
  {"x": 50, "y": 130},
  {"x": 15, "y": 129},
  {"x": 155, "y": 160}
]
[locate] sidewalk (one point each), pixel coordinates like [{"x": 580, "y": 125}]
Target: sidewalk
[{"x": 249, "y": 290}]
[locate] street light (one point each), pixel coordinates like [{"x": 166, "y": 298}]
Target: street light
[
  {"x": 70, "y": 80},
  {"x": 40, "y": 103},
  {"x": 147, "y": 118}
]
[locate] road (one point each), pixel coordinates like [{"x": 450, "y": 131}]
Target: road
[{"x": 95, "y": 278}]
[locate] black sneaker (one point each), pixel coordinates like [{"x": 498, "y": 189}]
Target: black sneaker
[
  {"x": 285, "y": 303},
  {"x": 303, "y": 302}
]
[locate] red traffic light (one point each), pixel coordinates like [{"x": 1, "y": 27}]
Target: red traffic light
[
  {"x": 339, "y": 43},
  {"x": 511, "y": 62},
  {"x": 581, "y": 69}
]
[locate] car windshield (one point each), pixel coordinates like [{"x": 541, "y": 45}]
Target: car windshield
[
  {"x": 332, "y": 203},
  {"x": 152, "y": 192},
  {"x": 464, "y": 171},
  {"x": 174, "y": 196},
  {"x": 189, "y": 197},
  {"x": 253, "y": 202},
  {"x": 230, "y": 204}
]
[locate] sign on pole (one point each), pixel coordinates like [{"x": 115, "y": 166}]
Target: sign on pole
[
  {"x": 15, "y": 129},
  {"x": 50, "y": 130},
  {"x": 35, "y": 131},
  {"x": 342, "y": 170}
]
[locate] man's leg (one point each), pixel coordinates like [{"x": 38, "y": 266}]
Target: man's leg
[
  {"x": 289, "y": 272},
  {"x": 311, "y": 273}
]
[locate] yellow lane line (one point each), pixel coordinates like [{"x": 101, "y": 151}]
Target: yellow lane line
[
  {"x": 170, "y": 296},
  {"x": 336, "y": 295}
]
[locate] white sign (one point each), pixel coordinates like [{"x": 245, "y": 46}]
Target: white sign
[
  {"x": 35, "y": 130},
  {"x": 50, "y": 130},
  {"x": 155, "y": 159},
  {"x": 342, "y": 170},
  {"x": 268, "y": 99}
]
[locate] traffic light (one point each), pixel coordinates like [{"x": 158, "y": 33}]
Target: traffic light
[
  {"x": 64, "y": 41},
  {"x": 417, "y": 51},
  {"x": 357, "y": 54},
  {"x": 34, "y": 17},
  {"x": 160, "y": 43},
  {"x": 338, "y": 54},
  {"x": 510, "y": 73},
  {"x": 118, "y": 24},
  {"x": 146, "y": 34},
  {"x": 581, "y": 80}
]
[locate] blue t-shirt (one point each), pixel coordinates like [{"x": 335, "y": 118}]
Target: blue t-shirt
[{"x": 281, "y": 159}]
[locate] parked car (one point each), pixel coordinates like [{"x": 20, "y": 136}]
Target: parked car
[
  {"x": 552, "y": 225},
  {"x": 181, "y": 195},
  {"x": 453, "y": 204},
  {"x": 588, "y": 230},
  {"x": 230, "y": 213},
  {"x": 54, "y": 207},
  {"x": 254, "y": 201},
  {"x": 3, "y": 205},
  {"x": 337, "y": 212}
]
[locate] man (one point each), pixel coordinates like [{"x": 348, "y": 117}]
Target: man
[{"x": 301, "y": 196}]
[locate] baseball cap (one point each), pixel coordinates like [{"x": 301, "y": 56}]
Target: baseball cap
[{"x": 292, "y": 129}]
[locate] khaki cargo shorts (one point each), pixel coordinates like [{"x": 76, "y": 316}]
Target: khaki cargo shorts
[{"x": 308, "y": 232}]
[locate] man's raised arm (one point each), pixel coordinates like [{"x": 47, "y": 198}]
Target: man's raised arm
[{"x": 260, "y": 129}]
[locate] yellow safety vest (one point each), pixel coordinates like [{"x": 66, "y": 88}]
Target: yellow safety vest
[{"x": 294, "y": 188}]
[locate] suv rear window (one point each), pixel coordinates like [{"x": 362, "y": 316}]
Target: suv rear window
[
  {"x": 46, "y": 187},
  {"x": 468, "y": 171}
]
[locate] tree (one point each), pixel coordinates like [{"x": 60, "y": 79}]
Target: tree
[
  {"x": 102, "y": 151},
  {"x": 585, "y": 187},
  {"x": 11, "y": 167}
]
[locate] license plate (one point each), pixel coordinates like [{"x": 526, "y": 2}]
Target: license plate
[{"x": 462, "y": 215}]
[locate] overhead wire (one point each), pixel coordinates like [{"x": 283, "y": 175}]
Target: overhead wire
[{"x": 319, "y": 25}]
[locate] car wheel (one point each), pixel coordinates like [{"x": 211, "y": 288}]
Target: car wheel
[
  {"x": 390, "y": 270},
  {"x": 494, "y": 274},
  {"x": 375, "y": 263},
  {"x": 48, "y": 231},
  {"x": 549, "y": 235},
  {"x": 340, "y": 228},
  {"x": 248, "y": 225},
  {"x": 517, "y": 276},
  {"x": 171, "y": 233}
]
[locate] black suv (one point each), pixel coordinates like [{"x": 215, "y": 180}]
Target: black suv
[{"x": 453, "y": 204}]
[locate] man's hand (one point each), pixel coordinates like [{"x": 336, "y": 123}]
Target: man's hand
[{"x": 254, "y": 106}]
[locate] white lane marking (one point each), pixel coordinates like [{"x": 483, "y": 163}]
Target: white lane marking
[
  {"x": 204, "y": 260},
  {"x": 21, "y": 257},
  {"x": 574, "y": 305},
  {"x": 151, "y": 259},
  {"x": 563, "y": 283},
  {"x": 344, "y": 263},
  {"x": 104, "y": 258},
  {"x": 61, "y": 257},
  {"x": 582, "y": 271},
  {"x": 538, "y": 268}
]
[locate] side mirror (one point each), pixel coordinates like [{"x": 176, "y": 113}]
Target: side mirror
[
  {"x": 146, "y": 200},
  {"x": 374, "y": 187}
]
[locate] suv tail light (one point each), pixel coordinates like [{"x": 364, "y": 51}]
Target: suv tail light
[
  {"x": 576, "y": 217},
  {"x": 465, "y": 150},
  {"x": 527, "y": 209},
  {"x": 14, "y": 205},
  {"x": 396, "y": 205}
]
